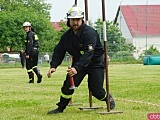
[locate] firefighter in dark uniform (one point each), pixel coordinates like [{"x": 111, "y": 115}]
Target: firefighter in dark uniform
[
  {"x": 83, "y": 44},
  {"x": 22, "y": 57},
  {"x": 31, "y": 52}
]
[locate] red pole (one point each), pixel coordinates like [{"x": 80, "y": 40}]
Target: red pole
[
  {"x": 105, "y": 51},
  {"x": 72, "y": 81}
]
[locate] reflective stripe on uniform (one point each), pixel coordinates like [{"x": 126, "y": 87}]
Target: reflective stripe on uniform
[
  {"x": 35, "y": 37},
  {"x": 103, "y": 98},
  {"x": 30, "y": 70},
  {"x": 82, "y": 52},
  {"x": 34, "y": 67},
  {"x": 66, "y": 96}
]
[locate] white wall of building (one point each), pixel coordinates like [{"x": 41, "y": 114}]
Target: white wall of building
[
  {"x": 144, "y": 43},
  {"x": 139, "y": 42},
  {"x": 124, "y": 28}
]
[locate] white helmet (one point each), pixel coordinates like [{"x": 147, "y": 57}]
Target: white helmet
[
  {"x": 27, "y": 24},
  {"x": 75, "y": 12}
]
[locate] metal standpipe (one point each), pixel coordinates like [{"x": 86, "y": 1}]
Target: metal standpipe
[
  {"x": 90, "y": 93},
  {"x": 106, "y": 63}
]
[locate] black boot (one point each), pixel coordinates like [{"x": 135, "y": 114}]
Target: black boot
[
  {"x": 31, "y": 77},
  {"x": 61, "y": 106},
  {"x": 58, "y": 110},
  {"x": 112, "y": 102},
  {"x": 39, "y": 79},
  {"x": 39, "y": 76}
]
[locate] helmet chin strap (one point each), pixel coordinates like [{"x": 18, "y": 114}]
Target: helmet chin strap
[{"x": 30, "y": 28}]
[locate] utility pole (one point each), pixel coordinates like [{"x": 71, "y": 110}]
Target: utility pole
[
  {"x": 120, "y": 31},
  {"x": 146, "y": 27}
]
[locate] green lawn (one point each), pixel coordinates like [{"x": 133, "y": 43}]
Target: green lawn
[{"x": 136, "y": 89}]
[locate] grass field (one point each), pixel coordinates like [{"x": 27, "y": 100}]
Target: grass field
[{"x": 136, "y": 89}]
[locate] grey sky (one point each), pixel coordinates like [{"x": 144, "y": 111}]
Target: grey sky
[{"x": 60, "y": 7}]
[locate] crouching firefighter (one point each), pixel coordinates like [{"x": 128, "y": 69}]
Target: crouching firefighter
[
  {"x": 83, "y": 44},
  {"x": 31, "y": 53}
]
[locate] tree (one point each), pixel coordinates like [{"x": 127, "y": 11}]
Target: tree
[
  {"x": 49, "y": 45},
  {"x": 39, "y": 6},
  {"x": 14, "y": 13},
  {"x": 115, "y": 41},
  {"x": 151, "y": 51}
]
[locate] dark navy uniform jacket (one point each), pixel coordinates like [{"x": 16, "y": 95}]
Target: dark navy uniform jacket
[
  {"x": 31, "y": 42},
  {"x": 85, "y": 48}
]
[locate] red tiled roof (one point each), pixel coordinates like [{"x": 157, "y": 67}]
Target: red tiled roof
[
  {"x": 56, "y": 25},
  {"x": 142, "y": 19}
]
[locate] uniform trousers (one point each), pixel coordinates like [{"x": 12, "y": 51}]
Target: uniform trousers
[
  {"x": 32, "y": 61},
  {"x": 95, "y": 84}
]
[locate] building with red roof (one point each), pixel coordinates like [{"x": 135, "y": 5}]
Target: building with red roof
[
  {"x": 140, "y": 25},
  {"x": 56, "y": 25}
]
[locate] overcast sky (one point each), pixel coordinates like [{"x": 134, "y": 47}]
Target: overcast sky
[{"x": 61, "y": 7}]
